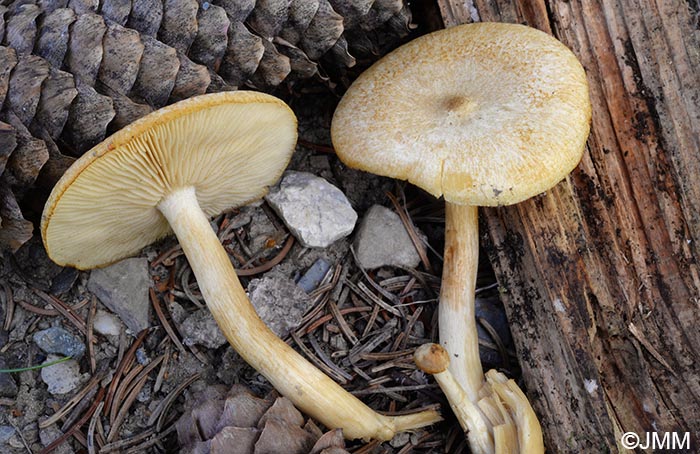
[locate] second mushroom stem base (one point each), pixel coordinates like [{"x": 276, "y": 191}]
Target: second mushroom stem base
[{"x": 291, "y": 374}]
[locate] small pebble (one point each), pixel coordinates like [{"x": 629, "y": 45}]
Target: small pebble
[
  {"x": 6, "y": 432},
  {"x": 8, "y": 387},
  {"x": 400, "y": 439},
  {"x": 279, "y": 302},
  {"x": 338, "y": 343},
  {"x": 58, "y": 340},
  {"x": 314, "y": 275},
  {"x": 107, "y": 324},
  {"x": 63, "y": 377},
  {"x": 63, "y": 281},
  {"x": 142, "y": 356},
  {"x": 49, "y": 434},
  {"x": 316, "y": 212},
  {"x": 382, "y": 240},
  {"x": 200, "y": 328}
]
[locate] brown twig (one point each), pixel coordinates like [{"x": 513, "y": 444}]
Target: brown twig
[
  {"x": 167, "y": 255},
  {"x": 49, "y": 312},
  {"x": 75, "y": 400},
  {"x": 320, "y": 354},
  {"x": 121, "y": 390},
  {"x": 146, "y": 444},
  {"x": 9, "y": 306},
  {"x": 90, "y": 335},
  {"x": 411, "y": 230},
  {"x": 143, "y": 372},
  {"x": 322, "y": 320},
  {"x": 163, "y": 369},
  {"x": 269, "y": 264},
  {"x": 164, "y": 321},
  {"x": 162, "y": 408},
  {"x": 123, "y": 367},
  {"x": 342, "y": 324},
  {"x": 316, "y": 147},
  {"x": 127, "y": 442},
  {"x": 65, "y": 310},
  {"x": 54, "y": 444},
  {"x": 91, "y": 429},
  {"x": 130, "y": 398},
  {"x": 318, "y": 363}
]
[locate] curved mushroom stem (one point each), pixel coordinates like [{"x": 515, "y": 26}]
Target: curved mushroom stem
[
  {"x": 456, "y": 311},
  {"x": 508, "y": 415},
  {"x": 292, "y": 375}
]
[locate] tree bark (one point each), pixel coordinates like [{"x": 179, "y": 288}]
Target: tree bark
[{"x": 600, "y": 275}]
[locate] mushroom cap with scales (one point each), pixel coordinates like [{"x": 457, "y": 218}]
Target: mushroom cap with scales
[
  {"x": 484, "y": 114},
  {"x": 229, "y": 146}
]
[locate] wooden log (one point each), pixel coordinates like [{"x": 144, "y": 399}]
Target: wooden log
[{"x": 600, "y": 275}]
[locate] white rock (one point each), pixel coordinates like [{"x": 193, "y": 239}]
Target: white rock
[
  {"x": 107, "y": 324},
  {"x": 382, "y": 240},
  {"x": 63, "y": 377},
  {"x": 316, "y": 212}
]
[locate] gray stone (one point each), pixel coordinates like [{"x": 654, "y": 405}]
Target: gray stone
[
  {"x": 123, "y": 288},
  {"x": 63, "y": 377},
  {"x": 279, "y": 302},
  {"x": 200, "y": 328},
  {"x": 400, "y": 439},
  {"x": 6, "y": 432},
  {"x": 58, "y": 340},
  {"x": 49, "y": 434},
  {"x": 382, "y": 240},
  {"x": 316, "y": 212},
  {"x": 8, "y": 386}
]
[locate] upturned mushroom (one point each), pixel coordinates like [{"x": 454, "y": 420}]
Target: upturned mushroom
[
  {"x": 173, "y": 170},
  {"x": 485, "y": 114}
]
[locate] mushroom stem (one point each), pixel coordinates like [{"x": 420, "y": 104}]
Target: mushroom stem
[
  {"x": 434, "y": 359},
  {"x": 503, "y": 409},
  {"x": 456, "y": 312},
  {"x": 293, "y": 376}
]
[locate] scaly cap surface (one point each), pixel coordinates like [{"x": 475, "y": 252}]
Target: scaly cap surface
[{"x": 483, "y": 114}]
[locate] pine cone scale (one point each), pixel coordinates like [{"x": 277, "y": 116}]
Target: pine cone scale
[
  {"x": 21, "y": 28},
  {"x": 52, "y": 44},
  {"x": 179, "y": 25},
  {"x": 57, "y": 93},
  {"x": 26, "y": 80},
  {"x": 85, "y": 47},
  {"x": 123, "y": 51}
]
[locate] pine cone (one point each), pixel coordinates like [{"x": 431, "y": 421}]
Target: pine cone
[
  {"x": 237, "y": 422},
  {"x": 73, "y": 71}
]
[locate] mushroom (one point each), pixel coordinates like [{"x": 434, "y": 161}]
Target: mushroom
[
  {"x": 502, "y": 421},
  {"x": 174, "y": 169},
  {"x": 484, "y": 114}
]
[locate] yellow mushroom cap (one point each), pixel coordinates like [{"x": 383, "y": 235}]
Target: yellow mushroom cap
[
  {"x": 483, "y": 114},
  {"x": 229, "y": 146},
  {"x": 431, "y": 358}
]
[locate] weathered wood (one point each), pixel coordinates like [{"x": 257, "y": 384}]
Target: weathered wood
[{"x": 600, "y": 275}]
